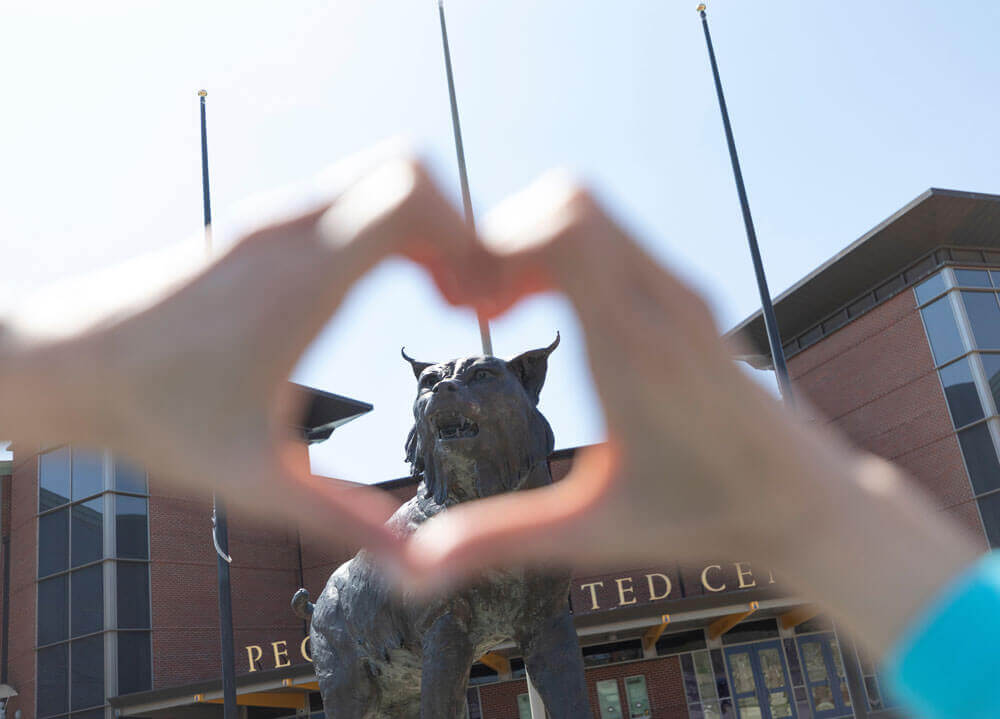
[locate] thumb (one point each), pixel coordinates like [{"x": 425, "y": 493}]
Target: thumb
[{"x": 546, "y": 525}]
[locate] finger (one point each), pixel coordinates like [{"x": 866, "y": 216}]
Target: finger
[
  {"x": 398, "y": 208},
  {"x": 540, "y": 525},
  {"x": 341, "y": 511}
]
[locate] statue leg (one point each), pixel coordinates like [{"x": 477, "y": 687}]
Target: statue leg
[
  {"x": 555, "y": 665},
  {"x": 445, "y": 672},
  {"x": 344, "y": 683}
]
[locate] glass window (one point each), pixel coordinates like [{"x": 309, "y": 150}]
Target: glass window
[
  {"x": 129, "y": 477},
  {"x": 996, "y": 278},
  {"x": 874, "y": 698},
  {"x": 609, "y": 700},
  {"x": 721, "y": 681},
  {"x": 930, "y": 288},
  {"x": 751, "y": 631},
  {"x": 87, "y": 676},
  {"x": 942, "y": 330},
  {"x": 87, "y": 600},
  {"x": 133, "y": 595},
  {"x": 53, "y": 478},
  {"x": 473, "y": 707},
  {"x": 131, "y": 529},
  {"x": 53, "y": 680},
  {"x": 991, "y": 363},
  {"x": 53, "y": 622},
  {"x": 680, "y": 642},
  {"x": 88, "y": 473},
  {"x": 92, "y": 714},
  {"x": 88, "y": 531},
  {"x": 482, "y": 674},
  {"x": 523, "y": 706},
  {"x": 53, "y": 542},
  {"x": 517, "y": 669},
  {"x": 638, "y": 697},
  {"x": 612, "y": 653},
  {"x": 705, "y": 675},
  {"x": 135, "y": 661},
  {"x": 972, "y": 278},
  {"x": 889, "y": 288},
  {"x": 793, "y": 662},
  {"x": 980, "y": 458},
  {"x": 984, "y": 316},
  {"x": 989, "y": 508},
  {"x": 960, "y": 390},
  {"x": 688, "y": 676},
  {"x": 862, "y": 305}
]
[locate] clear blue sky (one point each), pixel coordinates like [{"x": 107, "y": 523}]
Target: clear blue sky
[{"x": 843, "y": 112}]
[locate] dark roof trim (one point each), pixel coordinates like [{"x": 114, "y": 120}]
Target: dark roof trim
[
  {"x": 325, "y": 411},
  {"x": 936, "y": 218}
]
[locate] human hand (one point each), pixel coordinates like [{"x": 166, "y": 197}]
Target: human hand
[
  {"x": 194, "y": 383},
  {"x": 701, "y": 463}
]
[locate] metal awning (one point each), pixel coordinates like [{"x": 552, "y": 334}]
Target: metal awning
[
  {"x": 325, "y": 411},
  {"x": 285, "y": 688}
]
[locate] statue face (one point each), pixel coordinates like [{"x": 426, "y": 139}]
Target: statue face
[{"x": 478, "y": 416}]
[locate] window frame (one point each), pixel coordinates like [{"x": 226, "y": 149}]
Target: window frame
[
  {"x": 108, "y": 561},
  {"x": 953, "y": 292}
]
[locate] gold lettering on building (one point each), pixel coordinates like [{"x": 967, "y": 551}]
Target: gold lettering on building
[
  {"x": 668, "y": 587},
  {"x": 281, "y": 654},
  {"x": 742, "y": 574},
  {"x": 305, "y": 652},
  {"x": 704, "y": 579},
  {"x": 254, "y": 654},
  {"x": 622, "y": 589},
  {"x": 592, "y": 586}
]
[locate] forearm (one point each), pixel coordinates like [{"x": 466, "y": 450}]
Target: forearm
[{"x": 881, "y": 554}]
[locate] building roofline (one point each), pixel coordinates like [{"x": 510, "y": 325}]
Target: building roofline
[{"x": 936, "y": 217}]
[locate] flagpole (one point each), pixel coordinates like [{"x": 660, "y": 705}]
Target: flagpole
[
  {"x": 484, "y": 325},
  {"x": 767, "y": 308},
  {"x": 220, "y": 529}
]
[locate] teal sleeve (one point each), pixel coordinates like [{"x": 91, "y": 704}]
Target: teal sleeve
[{"x": 947, "y": 664}]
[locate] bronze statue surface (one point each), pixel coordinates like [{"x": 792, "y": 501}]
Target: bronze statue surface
[{"x": 382, "y": 655}]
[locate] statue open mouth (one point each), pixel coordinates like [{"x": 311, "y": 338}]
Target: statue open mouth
[{"x": 455, "y": 427}]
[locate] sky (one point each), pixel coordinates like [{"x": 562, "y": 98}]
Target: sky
[{"x": 843, "y": 111}]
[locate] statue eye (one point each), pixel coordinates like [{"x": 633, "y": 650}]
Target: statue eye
[
  {"x": 429, "y": 380},
  {"x": 482, "y": 374}
]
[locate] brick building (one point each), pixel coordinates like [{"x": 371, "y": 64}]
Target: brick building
[{"x": 110, "y": 591}]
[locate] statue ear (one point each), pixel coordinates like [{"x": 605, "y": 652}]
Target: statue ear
[
  {"x": 531, "y": 367},
  {"x": 418, "y": 367}
]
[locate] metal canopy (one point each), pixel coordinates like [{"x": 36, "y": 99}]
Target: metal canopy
[
  {"x": 325, "y": 411},
  {"x": 936, "y": 218}
]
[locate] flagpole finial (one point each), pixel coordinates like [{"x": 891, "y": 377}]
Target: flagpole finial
[
  {"x": 202, "y": 93},
  {"x": 701, "y": 8}
]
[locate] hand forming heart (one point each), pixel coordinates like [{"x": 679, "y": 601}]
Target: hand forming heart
[{"x": 702, "y": 462}]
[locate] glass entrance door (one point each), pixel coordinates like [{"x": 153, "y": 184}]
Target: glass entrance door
[
  {"x": 825, "y": 680},
  {"x": 761, "y": 689}
]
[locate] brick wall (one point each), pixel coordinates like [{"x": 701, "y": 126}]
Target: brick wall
[
  {"x": 264, "y": 575},
  {"x": 663, "y": 682},
  {"x": 874, "y": 379}
]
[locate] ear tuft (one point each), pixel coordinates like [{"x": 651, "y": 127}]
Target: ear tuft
[
  {"x": 531, "y": 367},
  {"x": 418, "y": 367}
]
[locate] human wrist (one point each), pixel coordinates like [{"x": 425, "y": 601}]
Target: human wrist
[{"x": 879, "y": 554}]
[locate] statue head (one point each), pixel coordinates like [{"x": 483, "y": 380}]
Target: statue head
[{"x": 477, "y": 430}]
